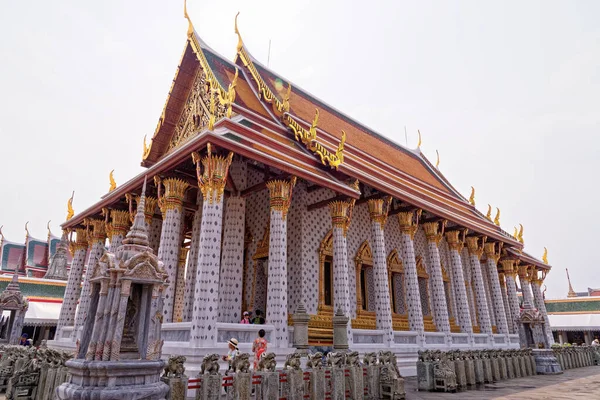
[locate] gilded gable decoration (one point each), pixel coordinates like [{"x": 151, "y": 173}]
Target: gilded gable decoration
[{"x": 394, "y": 262}]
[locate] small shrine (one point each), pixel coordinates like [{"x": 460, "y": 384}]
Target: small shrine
[
  {"x": 58, "y": 264},
  {"x": 11, "y": 299},
  {"x": 120, "y": 348}
]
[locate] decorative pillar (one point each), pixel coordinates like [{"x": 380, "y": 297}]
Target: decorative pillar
[
  {"x": 117, "y": 228},
  {"x": 436, "y": 279},
  {"x": 510, "y": 273},
  {"x": 232, "y": 259},
  {"x": 524, "y": 271},
  {"x": 475, "y": 251},
  {"x": 192, "y": 265},
  {"x": 206, "y": 291},
  {"x": 341, "y": 216},
  {"x": 409, "y": 222},
  {"x": 280, "y": 198},
  {"x": 462, "y": 311},
  {"x": 180, "y": 286},
  {"x": 538, "y": 298},
  {"x": 492, "y": 251},
  {"x": 509, "y": 318},
  {"x": 69, "y": 305},
  {"x": 378, "y": 211},
  {"x": 97, "y": 241},
  {"x": 171, "y": 206},
  {"x": 488, "y": 294}
]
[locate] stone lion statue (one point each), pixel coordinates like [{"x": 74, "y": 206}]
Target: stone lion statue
[
  {"x": 352, "y": 359},
  {"x": 335, "y": 360},
  {"x": 292, "y": 361},
  {"x": 267, "y": 362},
  {"x": 315, "y": 361},
  {"x": 174, "y": 367},
  {"x": 384, "y": 357},
  {"x": 370, "y": 359},
  {"x": 210, "y": 364},
  {"x": 241, "y": 363}
]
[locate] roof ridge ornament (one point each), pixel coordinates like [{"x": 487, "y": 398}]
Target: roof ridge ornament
[
  {"x": 26, "y": 230},
  {"x": 419, "y": 143},
  {"x": 70, "y": 211},
  {"x": 437, "y": 162},
  {"x": 544, "y": 256},
  {"x": 497, "y": 217},
  {"x": 48, "y": 227},
  {"x": 111, "y": 178},
  {"x": 520, "y": 234},
  {"x": 489, "y": 213},
  {"x": 472, "y": 197},
  {"x": 190, "y": 31}
]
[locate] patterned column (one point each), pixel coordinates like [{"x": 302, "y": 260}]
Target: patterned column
[
  {"x": 96, "y": 241},
  {"x": 180, "y": 286},
  {"x": 488, "y": 294},
  {"x": 538, "y": 298},
  {"x": 462, "y": 311},
  {"x": 192, "y": 266},
  {"x": 206, "y": 291},
  {"x": 171, "y": 206},
  {"x": 117, "y": 228},
  {"x": 232, "y": 261},
  {"x": 509, "y": 319},
  {"x": 524, "y": 271},
  {"x": 69, "y": 305},
  {"x": 492, "y": 251},
  {"x": 475, "y": 252},
  {"x": 510, "y": 273},
  {"x": 408, "y": 222},
  {"x": 436, "y": 280},
  {"x": 378, "y": 211},
  {"x": 341, "y": 215},
  {"x": 280, "y": 193}
]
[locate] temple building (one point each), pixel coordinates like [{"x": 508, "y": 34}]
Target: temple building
[
  {"x": 576, "y": 318},
  {"x": 263, "y": 197}
]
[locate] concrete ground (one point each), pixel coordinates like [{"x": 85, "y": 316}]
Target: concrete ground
[{"x": 580, "y": 383}]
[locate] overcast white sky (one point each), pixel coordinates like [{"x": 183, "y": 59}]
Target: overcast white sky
[{"x": 507, "y": 91}]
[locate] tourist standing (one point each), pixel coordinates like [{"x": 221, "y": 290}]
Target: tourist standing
[
  {"x": 259, "y": 347},
  {"x": 259, "y": 319},
  {"x": 246, "y": 318}
]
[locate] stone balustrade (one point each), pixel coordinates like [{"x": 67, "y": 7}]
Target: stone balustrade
[
  {"x": 576, "y": 356},
  {"x": 30, "y": 373},
  {"x": 453, "y": 370},
  {"x": 337, "y": 376}
]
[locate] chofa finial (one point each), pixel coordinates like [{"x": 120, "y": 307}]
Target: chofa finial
[
  {"x": 111, "y": 178},
  {"x": 497, "y": 217},
  {"x": 472, "y": 197},
  {"x": 544, "y": 256},
  {"x": 190, "y": 31},
  {"x": 70, "y": 211},
  {"x": 489, "y": 213},
  {"x": 437, "y": 163},
  {"x": 419, "y": 143}
]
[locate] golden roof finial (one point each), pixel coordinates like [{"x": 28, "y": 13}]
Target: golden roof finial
[
  {"x": 313, "y": 126},
  {"x": 437, "y": 163},
  {"x": 571, "y": 291},
  {"x": 26, "y": 230},
  {"x": 516, "y": 233},
  {"x": 545, "y": 256},
  {"x": 113, "y": 184},
  {"x": 472, "y": 197},
  {"x": 146, "y": 149},
  {"x": 48, "y": 227},
  {"x": 497, "y": 217},
  {"x": 520, "y": 235},
  {"x": 70, "y": 211},
  {"x": 489, "y": 213},
  {"x": 237, "y": 32},
  {"x": 419, "y": 144},
  {"x": 190, "y": 31}
]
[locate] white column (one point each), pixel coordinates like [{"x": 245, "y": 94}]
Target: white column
[
  {"x": 341, "y": 212},
  {"x": 475, "y": 252},
  {"x": 495, "y": 291},
  {"x": 206, "y": 292},
  {"x": 180, "y": 286},
  {"x": 436, "y": 280},
  {"x": 72, "y": 291},
  {"x": 97, "y": 241},
  {"x": 192, "y": 266},
  {"x": 508, "y": 266},
  {"x": 509, "y": 318},
  {"x": 408, "y": 222},
  {"x": 280, "y": 198},
  {"x": 488, "y": 293},
  {"x": 378, "y": 211},
  {"x": 232, "y": 260},
  {"x": 524, "y": 271},
  {"x": 538, "y": 299},
  {"x": 171, "y": 206},
  {"x": 462, "y": 311}
]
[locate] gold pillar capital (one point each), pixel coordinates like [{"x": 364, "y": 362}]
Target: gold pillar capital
[
  {"x": 409, "y": 221},
  {"x": 493, "y": 250},
  {"x": 525, "y": 272},
  {"x": 538, "y": 276},
  {"x": 508, "y": 267},
  {"x": 378, "y": 210},
  {"x": 280, "y": 194},
  {"x": 81, "y": 241},
  {"x": 341, "y": 214},
  {"x": 119, "y": 224},
  {"x": 183, "y": 252},
  {"x": 434, "y": 231},
  {"x": 475, "y": 245},
  {"x": 213, "y": 178},
  {"x": 174, "y": 193},
  {"x": 456, "y": 239},
  {"x": 98, "y": 233}
]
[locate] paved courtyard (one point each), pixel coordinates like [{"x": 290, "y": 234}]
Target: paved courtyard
[{"x": 580, "y": 383}]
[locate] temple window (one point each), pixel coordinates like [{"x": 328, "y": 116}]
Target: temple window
[
  {"x": 328, "y": 281},
  {"x": 326, "y": 274}
]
